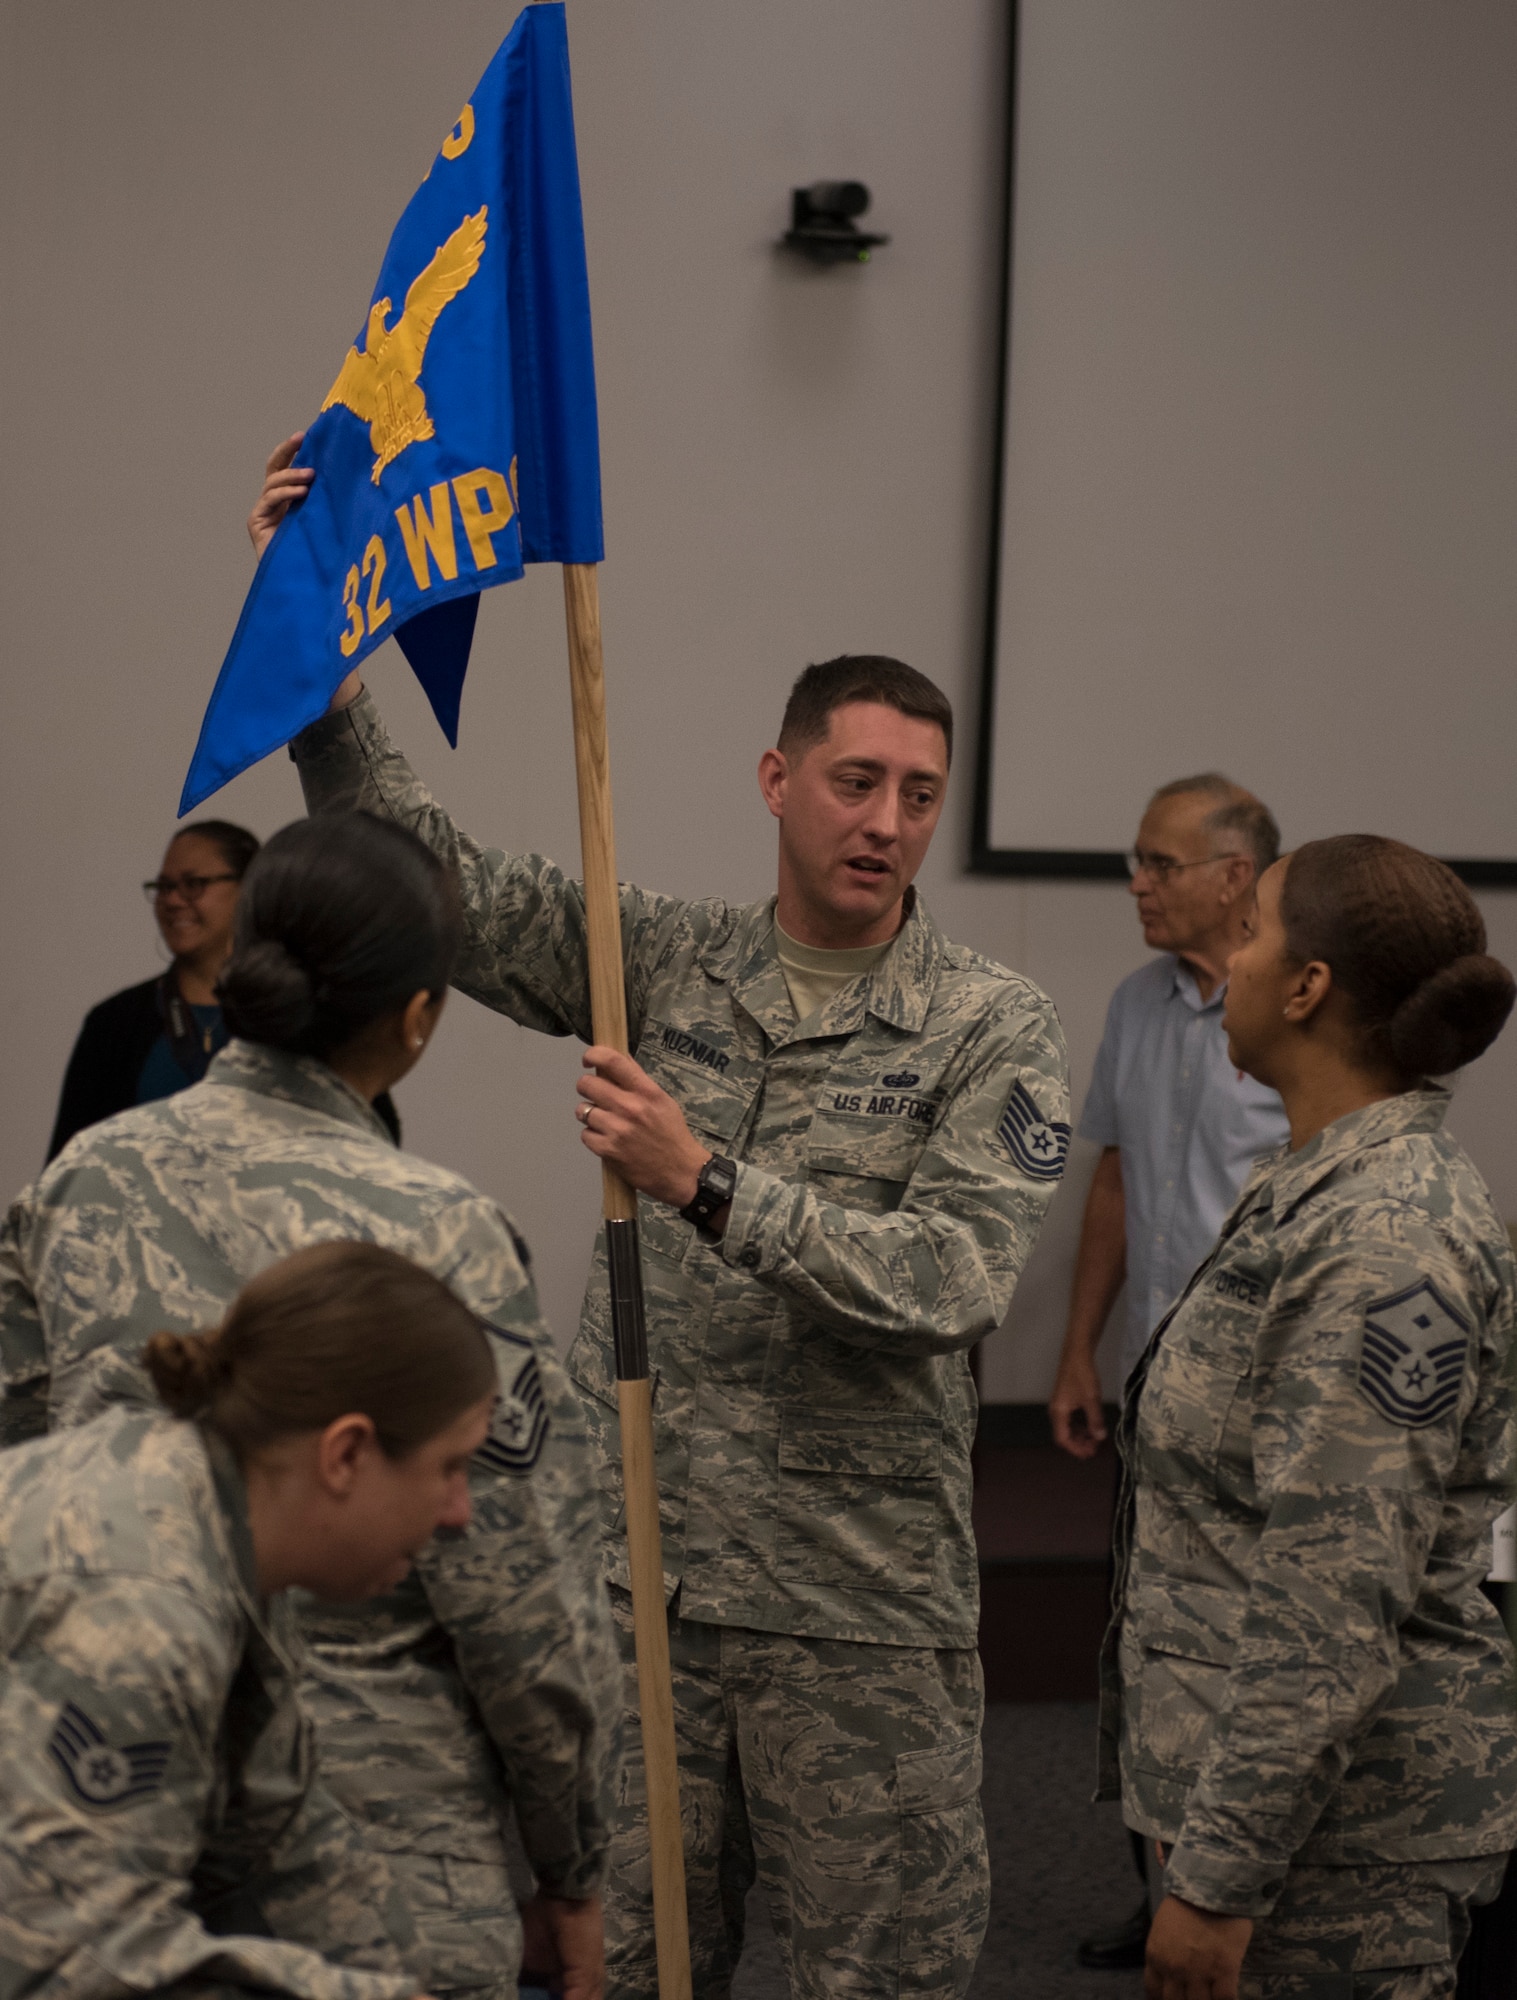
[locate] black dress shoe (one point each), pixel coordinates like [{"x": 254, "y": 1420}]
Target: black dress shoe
[{"x": 1118, "y": 1948}]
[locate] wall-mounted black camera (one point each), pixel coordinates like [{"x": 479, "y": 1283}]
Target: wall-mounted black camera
[{"x": 822, "y": 225}]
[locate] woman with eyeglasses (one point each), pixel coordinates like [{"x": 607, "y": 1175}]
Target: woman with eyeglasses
[{"x": 158, "y": 1037}]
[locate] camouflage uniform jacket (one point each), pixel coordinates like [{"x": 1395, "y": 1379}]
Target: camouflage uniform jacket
[
  {"x": 1301, "y": 1662},
  {"x": 153, "y": 1752},
  {"x": 493, "y": 1671},
  {"x": 813, "y": 1406}
]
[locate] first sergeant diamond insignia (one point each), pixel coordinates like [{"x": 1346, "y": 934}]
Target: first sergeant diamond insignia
[
  {"x": 519, "y": 1426},
  {"x": 99, "y": 1775},
  {"x": 1038, "y": 1145},
  {"x": 1411, "y": 1364}
]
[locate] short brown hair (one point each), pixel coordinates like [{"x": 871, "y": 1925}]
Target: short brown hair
[
  {"x": 336, "y": 1329},
  {"x": 859, "y": 677},
  {"x": 1406, "y": 946},
  {"x": 1237, "y": 815}
]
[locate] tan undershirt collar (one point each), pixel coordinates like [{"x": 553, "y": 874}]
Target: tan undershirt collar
[{"x": 813, "y": 975}]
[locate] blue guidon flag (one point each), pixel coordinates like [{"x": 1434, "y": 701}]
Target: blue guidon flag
[
  {"x": 1412, "y": 1361},
  {"x": 459, "y": 440},
  {"x": 1038, "y": 1145}
]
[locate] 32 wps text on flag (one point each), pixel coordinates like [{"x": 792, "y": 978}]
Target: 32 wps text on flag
[{"x": 459, "y": 439}]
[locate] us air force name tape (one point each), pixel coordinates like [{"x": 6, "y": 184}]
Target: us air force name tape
[
  {"x": 1038, "y": 1145},
  {"x": 98, "y": 1774},
  {"x": 519, "y": 1426},
  {"x": 1411, "y": 1364}
]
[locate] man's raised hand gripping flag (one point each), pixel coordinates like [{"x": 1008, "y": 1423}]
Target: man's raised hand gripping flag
[{"x": 459, "y": 439}]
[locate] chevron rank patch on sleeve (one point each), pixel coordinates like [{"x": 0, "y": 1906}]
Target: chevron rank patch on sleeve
[
  {"x": 519, "y": 1427},
  {"x": 1412, "y": 1361},
  {"x": 1038, "y": 1145},
  {"x": 98, "y": 1774}
]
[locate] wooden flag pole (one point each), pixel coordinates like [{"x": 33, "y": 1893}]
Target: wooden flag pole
[{"x": 608, "y": 1015}]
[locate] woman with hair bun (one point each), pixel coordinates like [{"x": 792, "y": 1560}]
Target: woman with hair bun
[
  {"x": 1307, "y": 1699},
  {"x": 159, "y": 1822},
  {"x": 488, "y": 1680}
]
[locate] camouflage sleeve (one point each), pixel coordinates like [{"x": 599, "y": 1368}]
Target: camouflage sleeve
[
  {"x": 521, "y": 1594},
  {"x": 23, "y": 1347},
  {"x": 109, "y": 1727},
  {"x": 522, "y": 1597},
  {"x": 1351, "y": 1463},
  {"x": 936, "y": 1273},
  {"x": 524, "y": 919}
]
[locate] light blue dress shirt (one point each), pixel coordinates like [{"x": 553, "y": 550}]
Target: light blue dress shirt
[{"x": 1189, "y": 1125}]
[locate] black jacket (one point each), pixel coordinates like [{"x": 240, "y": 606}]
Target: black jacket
[{"x": 113, "y": 1044}]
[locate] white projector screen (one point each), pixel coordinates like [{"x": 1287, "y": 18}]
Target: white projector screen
[{"x": 1257, "y": 498}]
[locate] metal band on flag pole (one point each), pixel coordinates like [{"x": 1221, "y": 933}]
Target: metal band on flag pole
[{"x": 608, "y": 1014}]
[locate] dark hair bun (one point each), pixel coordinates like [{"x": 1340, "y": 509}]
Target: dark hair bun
[
  {"x": 341, "y": 920},
  {"x": 266, "y": 995},
  {"x": 1453, "y": 1016},
  {"x": 187, "y": 1370}
]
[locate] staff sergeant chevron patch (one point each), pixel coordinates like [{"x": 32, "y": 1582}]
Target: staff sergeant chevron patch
[
  {"x": 1038, "y": 1145},
  {"x": 1412, "y": 1362},
  {"x": 519, "y": 1428},
  {"x": 99, "y": 1775}
]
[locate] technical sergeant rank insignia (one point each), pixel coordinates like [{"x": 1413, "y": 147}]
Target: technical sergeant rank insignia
[
  {"x": 99, "y": 1775},
  {"x": 1037, "y": 1144},
  {"x": 1412, "y": 1362}
]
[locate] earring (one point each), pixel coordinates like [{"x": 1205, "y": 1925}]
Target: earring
[{"x": 420, "y": 1042}]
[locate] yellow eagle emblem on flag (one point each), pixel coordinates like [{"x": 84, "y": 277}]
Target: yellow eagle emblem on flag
[{"x": 381, "y": 384}]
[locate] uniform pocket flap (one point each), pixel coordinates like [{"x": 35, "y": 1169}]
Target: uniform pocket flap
[
  {"x": 887, "y": 1155},
  {"x": 936, "y": 1780},
  {"x": 1193, "y": 1621},
  {"x": 838, "y": 1441},
  {"x": 883, "y": 1152}
]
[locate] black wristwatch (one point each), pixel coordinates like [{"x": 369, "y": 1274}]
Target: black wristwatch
[{"x": 714, "y": 1189}]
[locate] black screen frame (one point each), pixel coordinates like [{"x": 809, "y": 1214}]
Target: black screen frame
[{"x": 1082, "y": 864}]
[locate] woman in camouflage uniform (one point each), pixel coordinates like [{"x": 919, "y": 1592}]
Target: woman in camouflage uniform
[
  {"x": 160, "y": 1829},
  {"x": 1308, "y": 1701},
  {"x": 488, "y": 1681}
]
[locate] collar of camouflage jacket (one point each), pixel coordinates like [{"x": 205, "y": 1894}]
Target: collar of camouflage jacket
[
  {"x": 898, "y": 990},
  {"x": 1294, "y": 1176},
  {"x": 296, "y": 1080}
]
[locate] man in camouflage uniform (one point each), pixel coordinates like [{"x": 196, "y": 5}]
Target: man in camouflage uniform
[
  {"x": 1306, "y": 1697},
  {"x": 490, "y": 1678},
  {"x": 893, "y": 1111},
  {"x": 160, "y": 1827}
]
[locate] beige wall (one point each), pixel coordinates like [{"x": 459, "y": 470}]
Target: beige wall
[{"x": 796, "y": 463}]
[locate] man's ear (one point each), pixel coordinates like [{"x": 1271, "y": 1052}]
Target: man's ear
[
  {"x": 1241, "y": 882},
  {"x": 773, "y": 774},
  {"x": 341, "y": 1450}
]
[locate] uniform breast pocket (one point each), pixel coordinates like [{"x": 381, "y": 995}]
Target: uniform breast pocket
[
  {"x": 864, "y": 1162},
  {"x": 857, "y": 1499},
  {"x": 1197, "y": 1382}
]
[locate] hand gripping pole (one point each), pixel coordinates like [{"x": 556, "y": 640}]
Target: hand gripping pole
[{"x": 608, "y": 1014}]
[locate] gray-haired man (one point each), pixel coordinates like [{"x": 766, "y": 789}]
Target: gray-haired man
[{"x": 1179, "y": 1126}]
